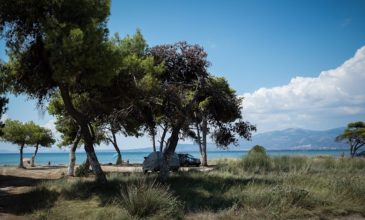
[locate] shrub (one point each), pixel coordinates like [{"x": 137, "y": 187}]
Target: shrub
[
  {"x": 257, "y": 149},
  {"x": 256, "y": 160},
  {"x": 82, "y": 170},
  {"x": 146, "y": 200}
]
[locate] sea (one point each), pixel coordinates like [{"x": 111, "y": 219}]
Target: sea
[{"x": 11, "y": 159}]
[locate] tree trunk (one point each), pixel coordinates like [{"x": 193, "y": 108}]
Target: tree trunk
[
  {"x": 93, "y": 160},
  {"x": 163, "y": 138},
  {"x": 21, "y": 156},
  {"x": 72, "y": 162},
  {"x": 352, "y": 150},
  {"x": 115, "y": 144},
  {"x": 87, "y": 162},
  {"x": 204, "y": 161},
  {"x": 86, "y": 134},
  {"x": 199, "y": 141},
  {"x": 168, "y": 152},
  {"x": 35, "y": 154},
  {"x": 153, "y": 141}
]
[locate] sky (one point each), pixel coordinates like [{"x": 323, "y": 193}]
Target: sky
[{"x": 296, "y": 63}]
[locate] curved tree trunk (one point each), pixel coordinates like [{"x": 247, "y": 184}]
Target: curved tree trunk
[
  {"x": 72, "y": 162},
  {"x": 21, "y": 156},
  {"x": 87, "y": 162},
  {"x": 115, "y": 144},
  {"x": 119, "y": 157},
  {"x": 35, "y": 154},
  {"x": 163, "y": 138},
  {"x": 86, "y": 134},
  {"x": 204, "y": 161},
  {"x": 92, "y": 158},
  {"x": 168, "y": 152}
]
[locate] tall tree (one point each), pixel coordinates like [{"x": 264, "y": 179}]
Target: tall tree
[
  {"x": 67, "y": 127},
  {"x": 63, "y": 46},
  {"x": 59, "y": 45},
  {"x": 18, "y": 133},
  {"x": 354, "y": 135},
  {"x": 184, "y": 75},
  {"x": 219, "y": 108},
  {"x": 39, "y": 137},
  {"x": 190, "y": 96}
]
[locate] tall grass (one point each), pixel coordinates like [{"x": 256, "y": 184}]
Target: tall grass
[
  {"x": 253, "y": 187},
  {"x": 150, "y": 200}
]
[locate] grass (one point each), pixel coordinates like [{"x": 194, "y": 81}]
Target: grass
[{"x": 274, "y": 188}]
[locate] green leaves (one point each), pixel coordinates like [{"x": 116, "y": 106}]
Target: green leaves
[
  {"x": 354, "y": 134},
  {"x": 27, "y": 133}
]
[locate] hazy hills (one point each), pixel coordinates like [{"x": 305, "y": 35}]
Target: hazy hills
[
  {"x": 288, "y": 139},
  {"x": 296, "y": 138}
]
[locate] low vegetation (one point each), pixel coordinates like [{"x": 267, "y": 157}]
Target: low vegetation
[{"x": 273, "y": 187}]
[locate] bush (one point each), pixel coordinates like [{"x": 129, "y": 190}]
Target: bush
[
  {"x": 82, "y": 170},
  {"x": 256, "y": 160},
  {"x": 257, "y": 149},
  {"x": 146, "y": 200}
]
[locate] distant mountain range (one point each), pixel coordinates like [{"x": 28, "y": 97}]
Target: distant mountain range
[
  {"x": 288, "y": 139},
  {"x": 297, "y": 138}
]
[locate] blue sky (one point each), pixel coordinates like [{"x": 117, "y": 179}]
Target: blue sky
[{"x": 282, "y": 46}]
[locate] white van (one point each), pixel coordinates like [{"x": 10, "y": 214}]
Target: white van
[{"x": 154, "y": 160}]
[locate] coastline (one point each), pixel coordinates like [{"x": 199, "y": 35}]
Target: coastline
[{"x": 137, "y": 157}]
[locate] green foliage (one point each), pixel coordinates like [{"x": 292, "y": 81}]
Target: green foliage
[
  {"x": 145, "y": 200},
  {"x": 83, "y": 170},
  {"x": 354, "y": 134},
  {"x": 40, "y": 136},
  {"x": 257, "y": 160},
  {"x": 17, "y": 133},
  {"x": 27, "y": 133},
  {"x": 257, "y": 149},
  {"x": 221, "y": 107}
]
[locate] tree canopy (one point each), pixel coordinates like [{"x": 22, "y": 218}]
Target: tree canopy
[
  {"x": 17, "y": 132},
  {"x": 64, "y": 46},
  {"x": 354, "y": 135},
  {"x": 28, "y": 133},
  {"x": 63, "y": 49}
]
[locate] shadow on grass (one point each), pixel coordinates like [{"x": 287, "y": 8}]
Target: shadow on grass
[
  {"x": 207, "y": 192},
  {"x": 196, "y": 190},
  {"x": 8, "y": 180},
  {"x": 39, "y": 198}
]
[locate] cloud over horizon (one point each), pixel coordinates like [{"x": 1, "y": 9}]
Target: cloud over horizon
[{"x": 332, "y": 99}]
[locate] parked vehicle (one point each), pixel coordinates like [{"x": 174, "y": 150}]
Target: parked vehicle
[
  {"x": 153, "y": 162},
  {"x": 188, "y": 160}
]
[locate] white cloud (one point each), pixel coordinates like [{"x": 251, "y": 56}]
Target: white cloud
[
  {"x": 51, "y": 125},
  {"x": 329, "y": 100}
]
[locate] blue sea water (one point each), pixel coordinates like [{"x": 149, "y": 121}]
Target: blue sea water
[{"x": 137, "y": 157}]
